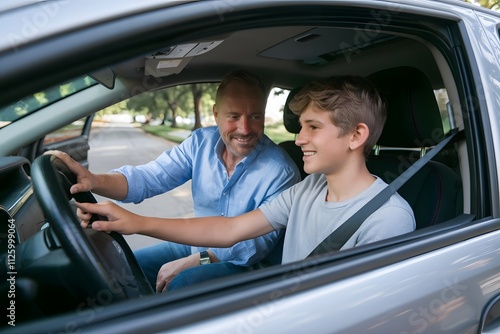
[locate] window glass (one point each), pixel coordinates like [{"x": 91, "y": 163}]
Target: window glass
[
  {"x": 275, "y": 129},
  {"x": 34, "y": 102},
  {"x": 442, "y": 100},
  {"x": 69, "y": 131}
]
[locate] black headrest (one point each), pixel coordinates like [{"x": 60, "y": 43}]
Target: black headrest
[
  {"x": 413, "y": 118},
  {"x": 290, "y": 120}
]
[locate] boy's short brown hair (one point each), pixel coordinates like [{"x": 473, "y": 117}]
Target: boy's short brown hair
[{"x": 350, "y": 100}]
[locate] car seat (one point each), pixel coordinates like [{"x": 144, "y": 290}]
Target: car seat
[
  {"x": 291, "y": 122},
  {"x": 414, "y": 125}
]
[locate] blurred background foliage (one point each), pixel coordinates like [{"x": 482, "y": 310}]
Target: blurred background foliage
[
  {"x": 490, "y": 4},
  {"x": 191, "y": 102}
]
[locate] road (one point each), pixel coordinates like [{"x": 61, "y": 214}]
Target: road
[{"x": 115, "y": 144}]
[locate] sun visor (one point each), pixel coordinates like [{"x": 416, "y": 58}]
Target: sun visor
[{"x": 172, "y": 60}]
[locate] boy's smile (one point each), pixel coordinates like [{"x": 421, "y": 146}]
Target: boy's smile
[
  {"x": 308, "y": 154},
  {"x": 324, "y": 149}
]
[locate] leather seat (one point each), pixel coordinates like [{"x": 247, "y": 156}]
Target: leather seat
[{"x": 413, "y": 125}]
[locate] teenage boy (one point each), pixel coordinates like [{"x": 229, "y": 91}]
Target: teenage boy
[{"x": 341, "y": 119}]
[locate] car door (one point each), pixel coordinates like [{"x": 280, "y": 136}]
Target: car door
[{"x": 72, "y": 138}]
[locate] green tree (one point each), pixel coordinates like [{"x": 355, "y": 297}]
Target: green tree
[
  {"x": 202, "y": 93},
  {"x": 197, "y": 92},
  {"x": 168, "y": 103},
  {"x": 490, "y": 4},
  {"x": 176, "y": 99},
  {"x": 140, "y": 104},
  {"x": 203, "y": 101},
  {"x": 165, "y": 103}
]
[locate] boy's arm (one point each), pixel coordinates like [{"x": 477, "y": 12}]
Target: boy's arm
[{"x": 203, "y": 232}]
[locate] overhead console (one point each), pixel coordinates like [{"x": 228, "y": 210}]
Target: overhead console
[{"x": 173, "y": 59}]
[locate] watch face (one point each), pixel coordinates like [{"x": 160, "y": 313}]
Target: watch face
[{"x": 204, "y": 257}]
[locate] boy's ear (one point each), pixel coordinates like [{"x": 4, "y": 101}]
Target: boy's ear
[{"x": 359, "y": 136}]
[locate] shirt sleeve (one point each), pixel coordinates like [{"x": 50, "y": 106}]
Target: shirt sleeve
[
  {"x": 170, "y": 170},
  {"x": 278, "y": 210}
]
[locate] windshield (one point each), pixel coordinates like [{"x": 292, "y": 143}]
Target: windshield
[{"x": 37, "y": 101}]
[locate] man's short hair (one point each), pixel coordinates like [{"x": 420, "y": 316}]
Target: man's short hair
[{"x": 242, "y": 76}]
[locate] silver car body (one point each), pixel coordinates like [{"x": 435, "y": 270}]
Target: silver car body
[{"x": 438, "y": 283}]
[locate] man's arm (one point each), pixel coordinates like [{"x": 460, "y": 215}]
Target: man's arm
[
  {"x": 112, "y": 185},
  {"x": 203, "y": 231}
]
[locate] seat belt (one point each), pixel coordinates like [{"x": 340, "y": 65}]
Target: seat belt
[{"x": 339, "y": 237}]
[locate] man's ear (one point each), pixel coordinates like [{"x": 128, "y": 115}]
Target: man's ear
[
  {"x": 359, "y": 136},
  {"x": 214, "y": 112}
]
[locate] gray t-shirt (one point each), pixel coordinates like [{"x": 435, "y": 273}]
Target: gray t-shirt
[{"x": 308, "y": 218}]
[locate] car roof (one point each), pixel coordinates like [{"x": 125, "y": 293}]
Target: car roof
[{"x": 284, "y": 54}]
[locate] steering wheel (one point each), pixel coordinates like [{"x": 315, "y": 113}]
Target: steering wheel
[{"x": 105, "y": 260}]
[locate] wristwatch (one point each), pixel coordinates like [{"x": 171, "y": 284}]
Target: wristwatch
[{"x": 204, "y": 258}]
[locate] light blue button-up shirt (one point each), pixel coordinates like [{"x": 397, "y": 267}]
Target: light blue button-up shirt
[{"x": 257, "y": 178}]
